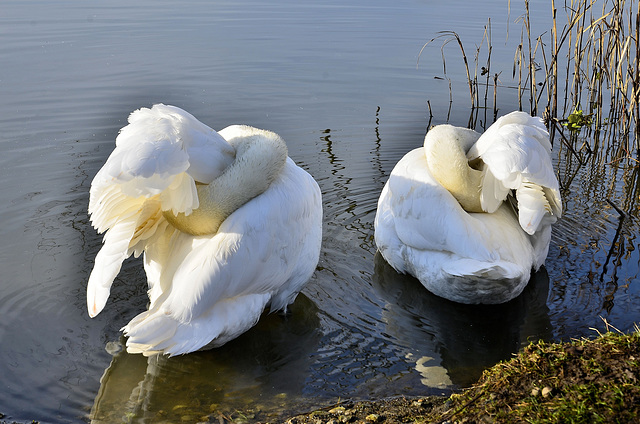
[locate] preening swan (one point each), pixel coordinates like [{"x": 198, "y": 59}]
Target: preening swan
[
  {"x": 470, "y": 215},
  {"x": 228, "y": 224}
]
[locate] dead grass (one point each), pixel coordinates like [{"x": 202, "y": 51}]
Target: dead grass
[{"x": 582, "y": 76}]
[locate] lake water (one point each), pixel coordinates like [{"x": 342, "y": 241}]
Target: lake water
[{"x": 339, "y": 82}]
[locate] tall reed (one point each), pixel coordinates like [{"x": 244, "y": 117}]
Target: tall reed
[
  {"x": 582, "y": 76},
  {"x": 598, "y": 45}
]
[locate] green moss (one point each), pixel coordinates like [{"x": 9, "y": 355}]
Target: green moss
[{"x": 585, "y": 381}]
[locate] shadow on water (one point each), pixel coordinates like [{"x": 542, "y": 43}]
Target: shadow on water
[
  {"x": 261, "y": 372},
  {"x": 462, "y": 339}
]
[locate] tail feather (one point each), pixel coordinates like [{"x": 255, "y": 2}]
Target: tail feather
[
  {"x": 156, "y": 331},
  {"x": 149, "y": 329}
]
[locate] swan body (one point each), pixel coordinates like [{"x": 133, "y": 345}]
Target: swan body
[
  {"x": 228, "y": 224},
  {"x": 470, "y": 215}
]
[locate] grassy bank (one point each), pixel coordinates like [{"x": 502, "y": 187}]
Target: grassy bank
[{"x": 583, "y": 381}]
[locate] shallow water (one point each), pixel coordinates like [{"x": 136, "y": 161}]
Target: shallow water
[{"x": 339, "y": 82}]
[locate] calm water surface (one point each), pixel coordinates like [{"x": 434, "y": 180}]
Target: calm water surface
[{"x": 338, "y": 80}]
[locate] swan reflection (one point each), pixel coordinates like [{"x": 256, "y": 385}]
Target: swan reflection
[
  {"x": 451, "y": 343},
  {"x": 263, "y": 370}
]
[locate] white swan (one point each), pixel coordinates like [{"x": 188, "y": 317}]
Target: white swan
[
  {"x": 470, "y": 215},
  {"x": 228, "y": 224}
]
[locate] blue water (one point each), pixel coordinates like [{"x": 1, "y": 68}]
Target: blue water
[{"x": 341, "y": 83}]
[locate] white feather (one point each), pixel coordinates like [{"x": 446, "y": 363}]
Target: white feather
[
  {"x": 204, "y": 290},
  {"x": 472, "y": 257},
  {"x": 515, "y": 151}
]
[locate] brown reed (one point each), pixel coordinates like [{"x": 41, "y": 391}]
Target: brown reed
[
  {"x": 597, "y": 48},
  {"x": 582, "y": 76}
]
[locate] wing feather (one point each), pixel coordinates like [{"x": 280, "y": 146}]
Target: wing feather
[
  {"x": 154, "y": 167},
  {"x": 516, "y": 152},
  {"x": 107, "y": 265}
]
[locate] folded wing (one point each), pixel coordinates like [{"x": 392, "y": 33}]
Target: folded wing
[
  {"x": 157, "y": 161},
  {"x": 515, "y": 152},
  {"x": 219, "y": 285},
  {"x": 426, "y": 216}
]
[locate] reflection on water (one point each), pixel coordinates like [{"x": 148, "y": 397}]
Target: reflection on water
[
  {"x": 596, "y": 260},
  {"x": 260, "y": 374},
  {"x": 338, "y": 80},
  {"x": 461, "y": 339}
]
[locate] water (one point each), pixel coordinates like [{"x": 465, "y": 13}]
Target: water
[{"x": 339, "y": 82}]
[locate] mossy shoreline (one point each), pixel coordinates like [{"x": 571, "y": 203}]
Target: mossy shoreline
[{"x": 582, "y": 381}]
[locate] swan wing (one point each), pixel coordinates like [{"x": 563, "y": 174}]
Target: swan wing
[
  {"x": 516, "y": 152},
  {"x": 262, "y": 255},
  {"x": 163, "y": 151},
  {"x": 426, "y": 216},
  {"x": 158, "y": 158}
]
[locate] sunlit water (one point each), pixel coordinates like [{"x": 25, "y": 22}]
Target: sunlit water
[{"x": 338, "y": 80}]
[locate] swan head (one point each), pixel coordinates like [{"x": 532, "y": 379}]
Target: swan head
[
  {"x": 446, "y": 148},
  {"x": 260, "y": 157}
]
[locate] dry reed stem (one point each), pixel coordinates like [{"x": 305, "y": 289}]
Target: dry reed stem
[
  {"x": 452, "y": 35},
  {"x": 599, "y": 48}
]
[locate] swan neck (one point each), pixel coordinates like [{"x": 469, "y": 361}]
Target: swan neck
[
  {"x": 445, "y": 150},
  {"x": 260, "y": 158}
]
